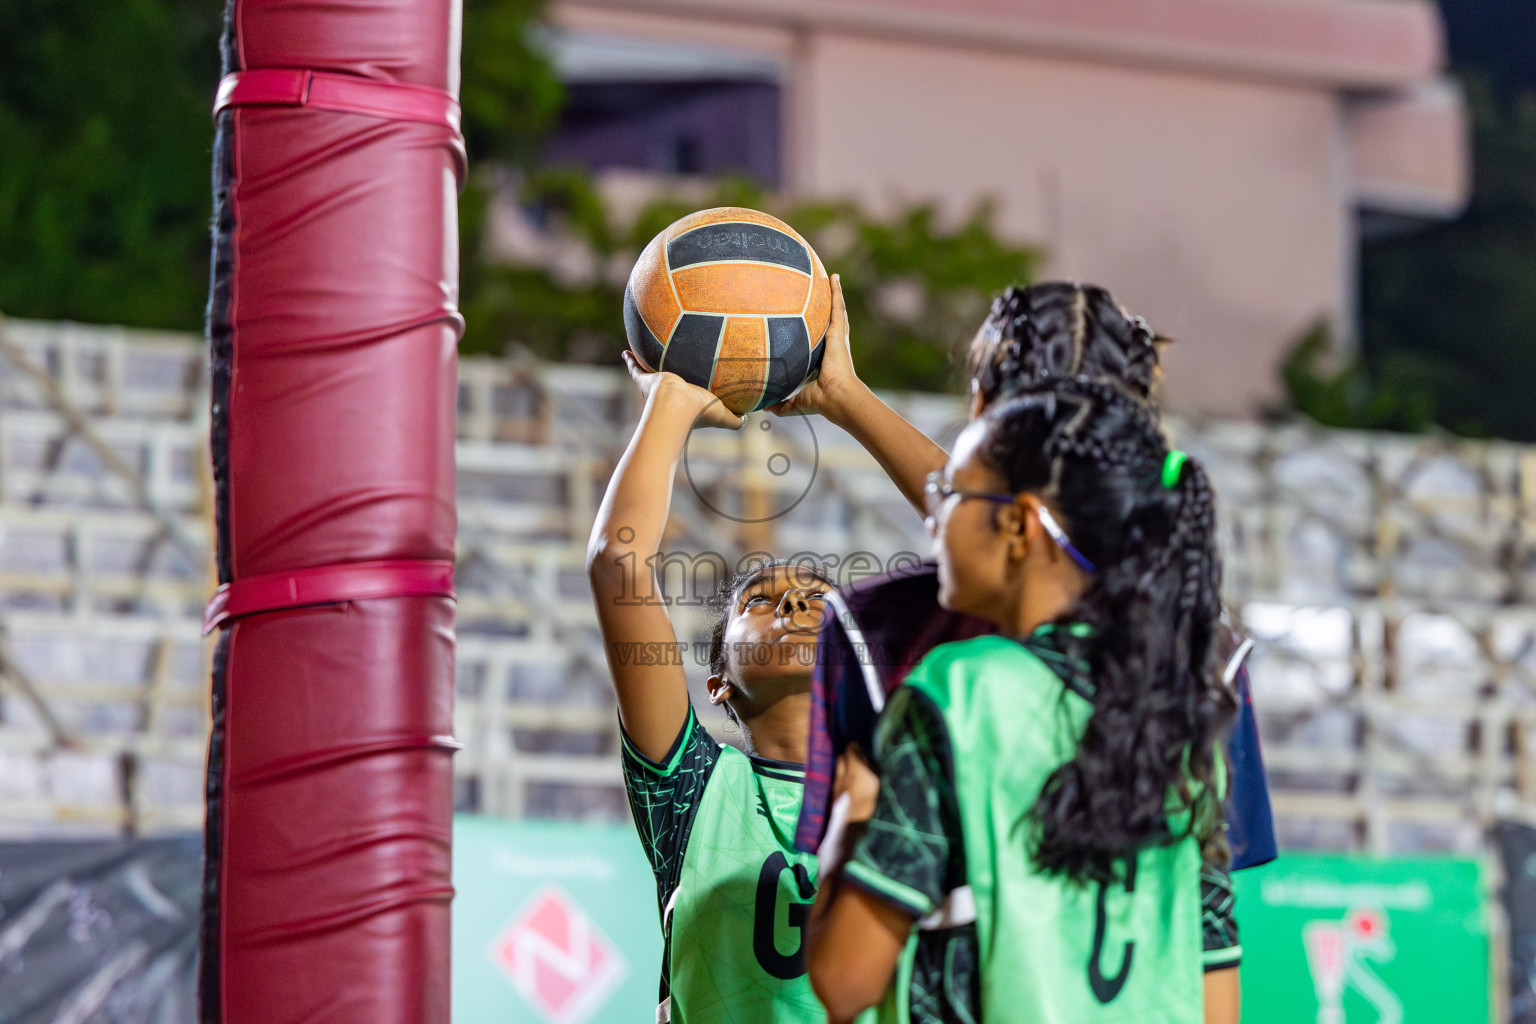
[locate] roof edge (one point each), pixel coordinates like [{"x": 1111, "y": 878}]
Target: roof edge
[{"x": 1341, "y": 44}]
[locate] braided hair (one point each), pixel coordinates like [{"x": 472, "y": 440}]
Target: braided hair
[
  {"x": 1057, "y": 330},
  {"x": 1097, "y": 458}
]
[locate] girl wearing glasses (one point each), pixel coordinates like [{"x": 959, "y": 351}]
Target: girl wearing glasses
[
  {"x": 1033, "y": 335},
  {"x": 1046, "y": 795},
  {"x": 717, "y": 824}
]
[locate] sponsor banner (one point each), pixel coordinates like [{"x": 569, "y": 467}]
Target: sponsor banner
[
  {"x": 1347, "y": 940},
  {"x": 553, "y": 923},
  {"x": 96, "y": 932}
]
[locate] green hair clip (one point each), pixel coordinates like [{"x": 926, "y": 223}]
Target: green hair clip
[{"x": 1173, "y": 468}]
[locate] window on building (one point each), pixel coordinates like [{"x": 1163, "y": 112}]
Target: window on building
[{"x": 667, "y": 109}]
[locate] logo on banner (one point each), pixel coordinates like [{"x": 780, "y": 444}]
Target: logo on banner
[
  {"x": 1339, "y": 955},
  {"x": 558, "y": 959}
]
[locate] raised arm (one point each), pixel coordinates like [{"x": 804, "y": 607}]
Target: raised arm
[
  {"x": 638, "y": 638},
  {"x": 905, "y": 453}
]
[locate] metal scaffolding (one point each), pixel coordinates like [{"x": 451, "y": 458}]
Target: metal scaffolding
[{"x": 1389, "y": 583}]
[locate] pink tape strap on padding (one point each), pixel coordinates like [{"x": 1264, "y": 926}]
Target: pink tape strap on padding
[
  {"x": 347, "y": 94},
  {"x": 328, "y": 584}
]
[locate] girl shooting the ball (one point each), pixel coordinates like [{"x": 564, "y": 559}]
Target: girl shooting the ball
[
  {"x": 1046, "y": 795},
  {"x": 717, "y": 824}
]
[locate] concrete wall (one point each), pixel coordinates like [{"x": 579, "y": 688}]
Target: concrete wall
[{"x": 1210, "y": 206}]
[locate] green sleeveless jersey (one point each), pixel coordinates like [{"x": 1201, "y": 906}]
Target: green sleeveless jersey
[
  {"x": 718, "y": 828},
  {"x": 1001, "y": 716}
]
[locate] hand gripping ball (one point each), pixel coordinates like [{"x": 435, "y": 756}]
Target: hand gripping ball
[{"x": 732, "y": 300}]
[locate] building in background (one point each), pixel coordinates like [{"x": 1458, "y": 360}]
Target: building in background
[{"x": 1214, "y": 162}]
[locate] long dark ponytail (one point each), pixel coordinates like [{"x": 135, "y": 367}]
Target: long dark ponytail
[{"x": 1097, "y": 457}]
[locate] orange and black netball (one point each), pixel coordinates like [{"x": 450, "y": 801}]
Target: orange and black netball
[{"x": 733, "y": 300}]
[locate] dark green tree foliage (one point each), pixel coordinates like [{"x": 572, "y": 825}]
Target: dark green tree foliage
[
  {"x": 915, "y": 289},
  {"x": 105, "y": 136},
  {"x": 510, "y": 93},
  {"x": 1457, "y": 303},
  {"x": 511, "y": 96},
  {"x": 106, "y": 146},
  {"x": 1449, "y": 315},
  {"x": 1398, "y": 395},
  {"x": 104, "y": 194},
  {"x": 505, "y": 303}
]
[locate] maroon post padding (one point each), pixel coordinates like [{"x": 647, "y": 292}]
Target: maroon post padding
[
  {"x": 334, "y": 330},
  {"x": 327, "y": 584}
]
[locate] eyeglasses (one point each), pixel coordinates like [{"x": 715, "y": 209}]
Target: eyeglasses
[{"x": 936, "y": 492}]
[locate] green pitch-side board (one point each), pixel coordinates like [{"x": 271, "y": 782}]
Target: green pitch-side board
[
  {"x": 1338, "y": 940},
  {"x": 553, "y": 923}
]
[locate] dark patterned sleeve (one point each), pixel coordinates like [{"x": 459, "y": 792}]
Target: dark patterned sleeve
[
  {"x": 1218, "y": 919},
  {"x": 912, "y": 854},
  {"x": 834, "y": 659},
  {"x": 664, "y": 798}
]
